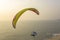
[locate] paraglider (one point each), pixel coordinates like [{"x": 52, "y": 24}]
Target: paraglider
[
  {"x": 16, "y": 17},
  {"x": 33, "y": 34}
]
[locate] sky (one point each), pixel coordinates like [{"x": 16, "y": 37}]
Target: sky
[{"x": 49, "y": 9}]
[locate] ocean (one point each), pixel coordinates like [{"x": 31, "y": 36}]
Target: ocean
[{"x": 25, "y": 28}]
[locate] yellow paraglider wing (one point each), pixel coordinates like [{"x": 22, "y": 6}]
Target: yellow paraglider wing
[{"x": 15, "y": 19}]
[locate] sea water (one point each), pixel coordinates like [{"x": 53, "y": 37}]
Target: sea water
[{"x": 25, "y": 28}]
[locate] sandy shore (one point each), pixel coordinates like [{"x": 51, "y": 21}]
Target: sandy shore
[{"x": 57, "y": 37}]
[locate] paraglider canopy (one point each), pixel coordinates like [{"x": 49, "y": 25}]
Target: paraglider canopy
[{"x": 16, "y": 17}]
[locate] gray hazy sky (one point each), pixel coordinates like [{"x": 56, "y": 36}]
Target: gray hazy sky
[{"x": 49, "y": 9}]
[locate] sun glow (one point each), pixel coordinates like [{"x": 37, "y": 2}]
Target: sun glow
[
  {"x": 3, "y": 4},
  {"x": 6, "y": 9}
]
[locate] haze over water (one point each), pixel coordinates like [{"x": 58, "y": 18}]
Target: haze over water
[{"x": 25, "y": 28}]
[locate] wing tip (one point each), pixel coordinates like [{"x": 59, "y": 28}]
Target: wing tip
[
  {"x": 13, "y": 25},
  {"x": 35, "y": 10}
]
